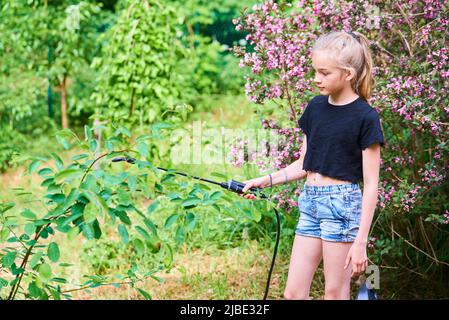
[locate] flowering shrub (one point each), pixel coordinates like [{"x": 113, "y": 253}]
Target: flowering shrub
[{"x": 409, "y": 44}]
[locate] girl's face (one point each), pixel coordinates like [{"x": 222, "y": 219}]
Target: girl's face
[{"x": 328, "y": 77}]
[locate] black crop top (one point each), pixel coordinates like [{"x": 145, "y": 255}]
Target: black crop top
[{"x": 336, "y": 136}]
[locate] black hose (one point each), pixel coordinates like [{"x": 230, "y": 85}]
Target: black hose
[{"x": 278, "y": 235}]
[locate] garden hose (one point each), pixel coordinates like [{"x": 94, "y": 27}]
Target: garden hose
[{"x": 237, "y": 187}]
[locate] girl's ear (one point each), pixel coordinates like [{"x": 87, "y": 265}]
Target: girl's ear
[{"x": 349, "y": 74}]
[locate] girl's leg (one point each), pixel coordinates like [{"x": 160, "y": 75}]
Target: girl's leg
[
  {"x": 305, "y": 258},
  {"x": 337, "y": 280}
]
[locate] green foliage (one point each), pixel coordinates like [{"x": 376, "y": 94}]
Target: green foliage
[
  {"x": 136, "y": 79},
  {"x": 90, "y": 196},
  {"x": 153, "y": 67},
  {"x": 78, "y": 199},
  {"x": 9, "y": 146}
]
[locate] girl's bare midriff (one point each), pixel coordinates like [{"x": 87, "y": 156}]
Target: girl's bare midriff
[{"x": 317, "y": 179}]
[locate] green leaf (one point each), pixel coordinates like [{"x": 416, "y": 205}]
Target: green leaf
[
  {"x": 12, "y": 222},
  {"x": 123, "y": 233},
  {"x": 66, "y": 221},
  {"x": 33, "y": 166},
  {"x": 3, "y": 283},
  {"x": 161, "y": 125},
  {"x": 91, "y": 212},
  {"x": 9, "y": 258},
  {"x": 216, "y": 195},
  {"x": 31, "y": 242},
  {"x": 88, "y": 231},
  {"x": 190, "y": 221},
  {"x": 62, "y": 207},
  {"x": 97, "y": 229},
  {"x": 190, "y": 203},
  {"x": 139, "y": 246},
  {"x": 143, "y": 232},
  {"x": 98, "y": 201},
  {"x": 80, "y": 156},
  {"x": 60, "y": 280},
  {"x": 144, "y": 137},
  {"x": 208, "y": 202},
  {"x": 6, "y": 206},
  {"x": 145, "y": 294},
  {"x": 45, "y": 271},
  {"x": 150, "y": 225},
  {"x": 142, "y": 147},
  {"x": 58, "y": 161},
  {"x": 73, "y": 233},
  {"x": 45, "y": 171},
  {"x": 30, "y": 228},
  {"x": 36, "y": 259},
  {"x": 87, "y": 132},
  {"x": 123, "y": 216},
  {"x": 34, "y": 290},
  {"x": 171, "y": 220},
  {"x": 15, "y": 271},
  {"x": 123, "y": 197},
  {"x": 173, "y": 196},
  {"x": 48, "y": 182},
  {"x": 56, "y": 197},
  {"x": 123, "y": 130},
  {"x": 63, "y": 141},
  {"x": 28, "y": 214},
  {"x": 93, "y": 145},
  {"x": 152, "y": 206},
  {"x": 68, "y": 174},
  {"x": 158, "y": 279},
  {"x": 219, "y": 175},
  {"x": 4, "y": 234},
  {"x": 180, "y": 234},
  {"x": 167, "y": 178},
  {"x": 55, "y": 294},
  {"x": 132, "y": 183},
  {"x": 53, "y": 252},
  {"x": 64, "y": 136}
]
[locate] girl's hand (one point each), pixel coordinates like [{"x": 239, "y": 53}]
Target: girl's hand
[
  {"x": 357, "y": 255},
  {"x": 261, "y": 182}
]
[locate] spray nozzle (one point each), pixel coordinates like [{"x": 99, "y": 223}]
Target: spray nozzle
[
  {"x": 129, "y": 160},
  {"x": 237, "y": 186}
]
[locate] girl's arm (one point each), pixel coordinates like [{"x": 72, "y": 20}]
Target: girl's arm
[
  {"x": 371, "y": 167},
  {"x": 294, "y": 171},
  {"x": 357, "y": 253}
]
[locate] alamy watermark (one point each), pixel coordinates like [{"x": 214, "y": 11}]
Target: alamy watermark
[{"x": 202, "y": 145}]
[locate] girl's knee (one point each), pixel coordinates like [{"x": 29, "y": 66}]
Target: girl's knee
[
  {"x": 290, "y": 295},
  {"x": 336, "y": 294}
]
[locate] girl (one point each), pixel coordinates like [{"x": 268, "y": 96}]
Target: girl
[{"x": 341, "y": 146}]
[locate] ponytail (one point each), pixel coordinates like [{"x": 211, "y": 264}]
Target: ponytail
[{"x": 363, "y": 84}]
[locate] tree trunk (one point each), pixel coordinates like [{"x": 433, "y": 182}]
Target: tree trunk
[
  {"x": 97, "y": 135},
  {"x": 131, "y": 105},
  {"x": 64, "y": 118}
]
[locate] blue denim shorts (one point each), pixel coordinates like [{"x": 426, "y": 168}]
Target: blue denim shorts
[{"x": 331, "y": 212}]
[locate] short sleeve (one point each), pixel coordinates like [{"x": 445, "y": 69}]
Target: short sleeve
[
  {"x": 303, "y": 120},
  {"x": 371, "y": 131}
]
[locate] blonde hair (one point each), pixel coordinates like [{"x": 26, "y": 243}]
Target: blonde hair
[{"x": 350, "y": 50}]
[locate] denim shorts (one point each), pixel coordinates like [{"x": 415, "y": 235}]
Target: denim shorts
[{"x": 331, "y": 212}]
